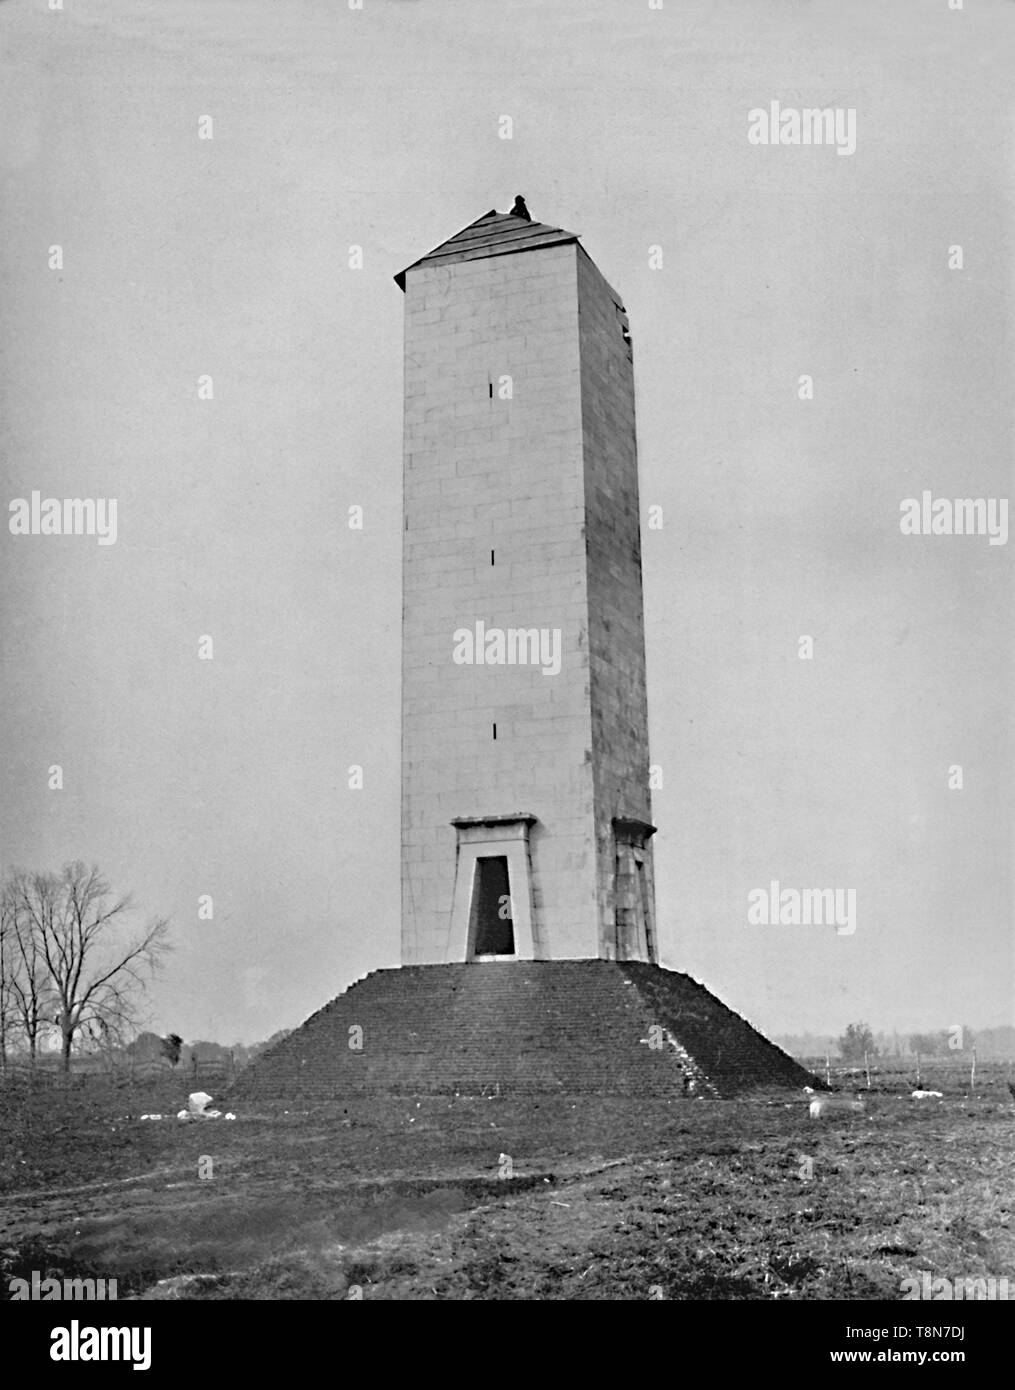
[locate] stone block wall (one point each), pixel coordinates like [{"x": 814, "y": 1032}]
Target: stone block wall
[{"x": 487, "y": 474}]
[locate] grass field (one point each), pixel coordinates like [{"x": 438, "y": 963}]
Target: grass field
[{"x": 507, "y": 1198}]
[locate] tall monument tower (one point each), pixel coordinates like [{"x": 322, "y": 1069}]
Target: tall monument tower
[
  {"x": 526, "y": 826},
  {"x": 525, "y": 804}
]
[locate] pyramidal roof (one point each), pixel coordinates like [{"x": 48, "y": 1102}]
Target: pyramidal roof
[{"x": 493, "y": 234}]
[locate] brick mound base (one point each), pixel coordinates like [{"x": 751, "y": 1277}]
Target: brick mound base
[{"x": 591, "y": 1027}]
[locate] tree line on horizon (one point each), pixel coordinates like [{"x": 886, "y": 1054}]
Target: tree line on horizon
[
  {"x": 149, "y": 1048},
  {"x": 860, "y": 1040}
]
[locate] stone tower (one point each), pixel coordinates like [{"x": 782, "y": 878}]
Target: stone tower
[
  {"x": 525, "y": 802},
  {"x": 525, "y": 806}
]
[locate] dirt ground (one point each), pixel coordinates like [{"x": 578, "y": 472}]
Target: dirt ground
[{"x": 465, "y": 1198}]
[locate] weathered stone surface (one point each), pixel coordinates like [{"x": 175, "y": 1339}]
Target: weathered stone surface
[{"x": 521, "y": 512}]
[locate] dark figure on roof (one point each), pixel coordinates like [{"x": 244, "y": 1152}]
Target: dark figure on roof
[{"x": 519, "y": 209}]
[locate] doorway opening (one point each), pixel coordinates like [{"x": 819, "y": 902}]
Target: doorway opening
[
  {"x": 492, "y": 928},
  {"x": 491, "y": 907},
  {"x": 633, "y": 916}
]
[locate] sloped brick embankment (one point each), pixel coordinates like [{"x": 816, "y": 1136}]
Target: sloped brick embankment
[{"x": 571, "y": 1027}]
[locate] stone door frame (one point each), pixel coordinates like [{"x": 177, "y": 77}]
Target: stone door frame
[{"x": 480, "y": 837}]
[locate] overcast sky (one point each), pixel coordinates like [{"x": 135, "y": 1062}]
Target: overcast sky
[{"x": 230, "y": 257}]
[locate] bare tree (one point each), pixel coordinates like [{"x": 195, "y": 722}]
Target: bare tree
[
  {"x": 28, "y": 899},
  {"x": 93, "y": 973},
  {"x": 6, "y": 944}
]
